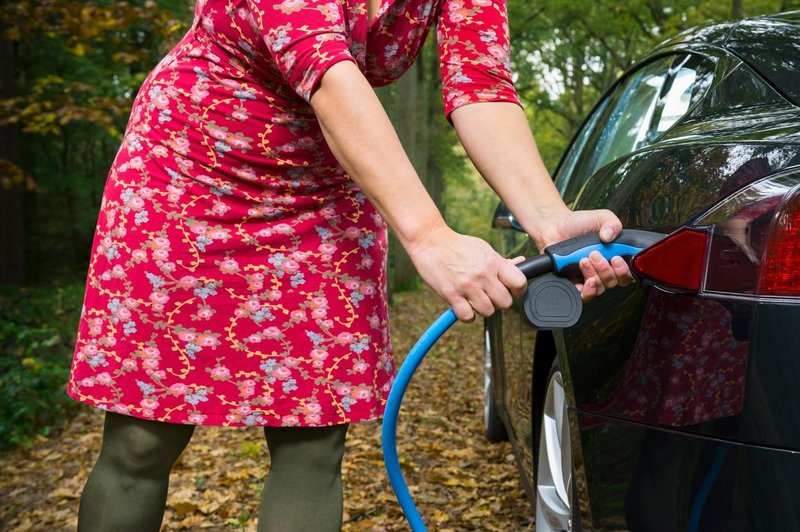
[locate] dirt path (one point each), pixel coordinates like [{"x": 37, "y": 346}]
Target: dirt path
[{"x": 459, "y": 481}]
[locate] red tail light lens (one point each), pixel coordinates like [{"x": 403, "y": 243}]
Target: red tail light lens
[
  {"x": 678, "y": 262},
  {"x": 780, "y": 269}
]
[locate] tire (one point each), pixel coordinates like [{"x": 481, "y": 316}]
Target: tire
[
  {"x": 492, "y": 424},
  {"x": 557, "y": 503}
]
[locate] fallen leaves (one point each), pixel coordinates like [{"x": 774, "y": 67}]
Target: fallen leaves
[{"x": 459, "y": 481}]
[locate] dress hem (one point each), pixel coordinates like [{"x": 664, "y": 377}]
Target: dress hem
[{"x": 360, "y": 415}]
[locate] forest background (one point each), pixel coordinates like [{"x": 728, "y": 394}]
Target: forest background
[{"x": 69, "y": 70}]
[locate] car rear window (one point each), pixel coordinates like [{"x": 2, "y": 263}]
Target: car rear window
[{"x": 772, "y": 47}]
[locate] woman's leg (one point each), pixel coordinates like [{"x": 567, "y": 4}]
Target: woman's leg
[
  {"x": 303, "y": 490},
  {"x": 127, "y": 489}
]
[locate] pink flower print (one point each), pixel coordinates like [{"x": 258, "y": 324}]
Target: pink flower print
[
  {"x": 160, "y": 242},
  {"x": 205, "y": 313},
  {"x": 178, "y": 389},
  {"x": 198, "y": 92},
  {"x": 149, "y": 404},
  {"x": 88, "y": 382},
  {"x": 252, "y": 305},
  {"x": 352, "y": 232},
  {"x": 367, "y": 289},
  {"x": 146, "y": 412},
  {"x": 306, "y": 142},
  {"x": 290, "y": 266},
  {"x": 461, "y": 100},
  {"x": 136, "y": 163},
  {"x": 240, "y": 312},
  {"x": 362, "y": 394},
  {"x": 312, "y": 407},
  {"x": 281, "y": 373},
  {"x": 219, "y": 233},
  {"x": 240, "y": 115},
  {"x": 123, "y": 313},
  {"x": 312, "y": 419},
  {"x": 150, "y": 353},
  {"x": 298, "y": 315},
  {"x": 187, "y": 281},
  {"x": 129, "y": 364},
  {"x": 229, "y": 266},
  {"x": 330, "y": 11},
  {"x": 319, "y": 302},
  {"x": 139, "y": 255},
  {"x": 159, "y": 151},
  {"x": 220, "y": 373},
  {"x": 180, "y": 145},
  {"x": 290, "y": 6},
  {"x": 319, "y": 313},
  {"x": 327, "y": 248},
  {"x": 274, "y": 295},
  {"x": 118, "y": 271},
  {"x": 207, "y": 340},
  {"x": 343, "y": 390},
  {"x": 245, "y": 172},
  {"x": 220, "y": 208},
  {"x": 272, "y": 332},
  {"x": 290, "y": 421},
  {"x": 159, "y": 298},
  {"x": 244, "y": 409},
  {"x": 120, "y": 408},
  {"x": 497, "y": 51},
  {"x": 291, "y": 362},
  {"x": 319, "y": 354},
  {"x": 196, "y": 419},
  {"x": 104, "y": 378},
  {"x": 254, "y": 338},
  {"x": 150, "y": 363},
  {"x": 351, "y": 284},
  {"x": 344, "y": 338},
  {"x": 135, "y": 203},
  {"x": 129, "y": 302},
  {"x": 186, "y": 335},
  {"x": 482, "y": 3},
  {"x": 160, "y": 254},
  {"x": 283, "y": 228},
  {"x": 247, "y": 388},
  {"x": 360, "y": 367},
  {"x": 300, "y": 256},
  {"x": 328, "y": 212}
]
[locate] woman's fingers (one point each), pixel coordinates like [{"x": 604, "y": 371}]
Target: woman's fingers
[{"x": 622, "y": 271}]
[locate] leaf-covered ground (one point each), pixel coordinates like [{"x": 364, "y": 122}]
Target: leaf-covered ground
[{"x": 459, "y": 481}]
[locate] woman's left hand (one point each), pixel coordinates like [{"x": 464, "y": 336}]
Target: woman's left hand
[{"x": 598, "y": 273}]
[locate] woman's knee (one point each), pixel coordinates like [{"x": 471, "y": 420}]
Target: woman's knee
[
  {"x": 142, "y": 448},
  {"x": 315, "y": 448}
]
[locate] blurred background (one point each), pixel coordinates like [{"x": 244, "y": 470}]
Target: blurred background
[{"x": 69, "y": 70}]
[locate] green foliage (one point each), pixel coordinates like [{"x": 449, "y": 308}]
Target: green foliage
[{"x": 37, "y": 334}]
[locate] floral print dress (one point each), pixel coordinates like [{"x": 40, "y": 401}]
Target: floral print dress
[{"x": 238, "y": 275}]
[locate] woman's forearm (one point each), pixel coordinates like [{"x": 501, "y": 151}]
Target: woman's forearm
[
  {"x": 498, "y": 140},
  {"x": 363, "y": 140}
]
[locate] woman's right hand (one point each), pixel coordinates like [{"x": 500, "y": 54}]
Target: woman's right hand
[{"x": 466, "y": 272}]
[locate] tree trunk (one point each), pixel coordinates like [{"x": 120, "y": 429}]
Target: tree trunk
[
  {"x": 737, "y": 10},
  {"x": 406, "y": 122},
  {"x": 12, "y": 226}
]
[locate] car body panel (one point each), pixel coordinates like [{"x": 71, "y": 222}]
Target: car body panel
[{"x": 745, "y": 126}]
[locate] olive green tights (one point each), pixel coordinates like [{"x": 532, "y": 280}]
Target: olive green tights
[{"x": 127, "y": 489}]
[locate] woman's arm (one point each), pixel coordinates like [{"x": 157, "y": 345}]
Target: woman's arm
[
  {"x": 498, "y": 140},
  {"x": 465, "y": 271}
]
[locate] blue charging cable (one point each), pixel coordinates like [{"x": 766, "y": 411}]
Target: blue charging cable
[{"x": 558, "y": 258}]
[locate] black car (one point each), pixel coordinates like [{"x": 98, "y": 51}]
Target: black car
[{"x": 674, "y": 403}]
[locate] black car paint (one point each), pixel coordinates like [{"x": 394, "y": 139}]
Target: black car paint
[{"x": 745, "y": 127}]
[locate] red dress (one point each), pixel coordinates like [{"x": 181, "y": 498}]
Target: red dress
[{"x": 238, "y": 276}]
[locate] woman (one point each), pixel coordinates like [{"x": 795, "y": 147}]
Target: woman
[{"x": 238, "y": 269}]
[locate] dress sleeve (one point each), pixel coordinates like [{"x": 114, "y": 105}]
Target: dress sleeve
[
  {"x": 305, "y": 38},
  {"x": 474, "y": 53}
]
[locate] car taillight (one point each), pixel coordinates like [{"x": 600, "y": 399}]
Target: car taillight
[
  {"x": 676, "y": 263},
  {"x": 746, "y": 246},
  {"x": 780, "y": 272}
]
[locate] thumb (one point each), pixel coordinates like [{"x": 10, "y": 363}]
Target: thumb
[{"x": 610, "y": 226}]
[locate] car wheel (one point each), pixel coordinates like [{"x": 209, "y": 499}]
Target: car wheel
[
  {"x": 557, "y": 506},
  {"x": 493, "y": 425}
]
